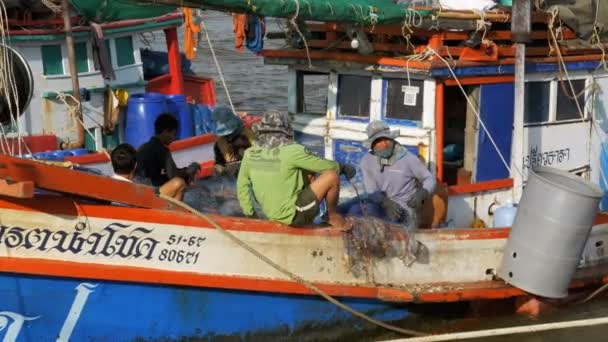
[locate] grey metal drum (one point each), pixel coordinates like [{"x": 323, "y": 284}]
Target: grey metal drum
[{"x": 553, "y": 221}]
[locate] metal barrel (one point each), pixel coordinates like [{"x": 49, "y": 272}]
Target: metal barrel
[{"x": 553, "y": 221}]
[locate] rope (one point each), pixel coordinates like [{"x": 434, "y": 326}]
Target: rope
[
  {"x": 288, "y": 273},
  {"x": 73, "y": 110},
  {"x": 51, "y": 5},
  {"x": 293, "y": 23},
  {"x": 476, "y": 112},
  {"x": 8, "y": 86},
  {"x": 217, "y": 65},
  {"x": 524, "y": 329}
]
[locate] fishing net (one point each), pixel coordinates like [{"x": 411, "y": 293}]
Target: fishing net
[
  {"x": 214, "y": 195},
  {"x": 372, "y": 240}
]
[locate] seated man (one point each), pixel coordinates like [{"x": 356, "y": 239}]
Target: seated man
[
  {"x": 276, "y": 170},
  {"x": 124, "y": 163},
  {"x": 155, "y": 162},
  {"x": 392, "y": 176},
  {"x": 233, "y": 139}
]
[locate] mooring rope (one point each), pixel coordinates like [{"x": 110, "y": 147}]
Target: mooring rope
[{"x": 290, "y": 274}]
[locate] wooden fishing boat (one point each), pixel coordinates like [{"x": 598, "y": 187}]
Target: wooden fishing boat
[{"x": 85, "y": 268}]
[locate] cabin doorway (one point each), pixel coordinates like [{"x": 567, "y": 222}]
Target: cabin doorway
[{"x": 469, "y": 154}]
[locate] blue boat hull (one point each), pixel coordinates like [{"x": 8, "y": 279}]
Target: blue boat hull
[{"x": 37, "y": 308}]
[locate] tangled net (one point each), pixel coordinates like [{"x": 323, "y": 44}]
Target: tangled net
[{"x": 372, "y": 240}]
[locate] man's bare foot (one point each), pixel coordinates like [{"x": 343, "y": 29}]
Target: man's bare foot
[{"x": 340, "y": 223}]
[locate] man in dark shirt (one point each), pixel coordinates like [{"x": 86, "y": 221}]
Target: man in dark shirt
[
  {"x": 155, "y": 162},
  {"x": 233, "y": 139}
]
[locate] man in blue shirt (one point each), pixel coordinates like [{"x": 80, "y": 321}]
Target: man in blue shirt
[{"x": 395, "y": 180}]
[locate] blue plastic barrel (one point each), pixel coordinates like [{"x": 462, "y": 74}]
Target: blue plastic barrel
[
  {"x": 142, "y": 111},
  {"x": 59, "y": 155},
  {"x": 202, "y": 119},
  {"x": 179, "y": 107},
  {"x": 78, "y": 151}
]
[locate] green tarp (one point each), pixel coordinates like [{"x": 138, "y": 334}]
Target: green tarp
[
  {"x": 113, "y": 10},
  {"x": 365, "y": 12}
]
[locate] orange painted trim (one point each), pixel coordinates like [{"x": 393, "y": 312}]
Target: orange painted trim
[
  {"x": 91, "y": 158},
  {"x": 66, "y": 206},
  {"x": 178, "y": 145},
  {"x": 206, "y": 169},
  {"x": 152, "y": 276},
  {"x": 437, "y": 293},
  {"x": 187, "y": 143},
  {"x": 479, "y": 187},
  {"x": 74, "y": 182},
  {"x": 601, "y": 218},
  {"x": 347, "y": 57},
  {"x": 439, "y": 128},
  {"x": 480, "y": 80}
]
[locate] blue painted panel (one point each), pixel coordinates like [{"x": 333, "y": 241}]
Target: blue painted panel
[
  {"x": 112, "y": 311},
  {"x": 510, "y": 69},
  {"x": 348, "y": 151},
  {"x": 315, "y": 143},
  {"x": 604, "y": 171},
  {"x": 496, "y": 111}
]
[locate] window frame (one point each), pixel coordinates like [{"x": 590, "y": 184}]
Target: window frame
[
  {"x": 402, "y": 122},
  {"x": 42, "y": 57},
  {"x": 553, "y": 99},
  {"x": 132, "y": 59},
  {"x": 300, "y": 97},
  {"x": 371, "y": 96}
]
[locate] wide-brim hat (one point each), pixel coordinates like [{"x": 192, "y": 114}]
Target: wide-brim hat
[
  {"x": 226, "y": 121},
  {"x": 376, "y": 130},
  {"x": 274, "y": 122}
]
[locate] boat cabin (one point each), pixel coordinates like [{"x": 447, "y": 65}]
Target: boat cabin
[{"x": 454, "y": 109}]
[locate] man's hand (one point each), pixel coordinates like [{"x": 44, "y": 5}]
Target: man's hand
[
  {"x": 392, "y": 210},
  {"x": 218, "y": 170},
  {"x": 347, "y": 170},
  {"x": 419, "y": 197},
  {"x": 192, "y": 170},
  {"x": 232, "y": 169}
]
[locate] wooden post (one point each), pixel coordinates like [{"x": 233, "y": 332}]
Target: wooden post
[
  {"x": 439, "y": 120},
  {"x": 175, "y": 61},
  {"x": 69, "y": 39},
  {"x": 520, "y": 30}
]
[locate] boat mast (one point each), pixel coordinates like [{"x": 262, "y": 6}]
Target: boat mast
[
  {"x": 520, "y": 29},
  {"x": 69, "y": 39}
]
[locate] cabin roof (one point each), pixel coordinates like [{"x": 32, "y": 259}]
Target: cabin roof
[
  {"x": 50, "y": 32},
  {"x": 433, "y": 68}
]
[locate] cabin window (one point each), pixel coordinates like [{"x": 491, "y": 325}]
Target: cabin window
[
  {"x": 537, "y": 105},
  {"x": 52, "y": 60},
  {"x": 354, "y": 93},
  {"x": 312, "y": 93},
  {"x": 124, "y": 51},
  {"x": 566, "y": 104},
  {"x": 404, "y": 99},
  {"x": 82, "y": 57}
]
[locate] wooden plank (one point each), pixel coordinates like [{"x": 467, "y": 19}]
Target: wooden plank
[
  {"x": 17, "y": 189},
  {"x": 78, "y": 183}
]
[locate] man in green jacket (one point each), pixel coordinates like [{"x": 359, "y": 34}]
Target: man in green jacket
[{"x": 277, "y": 171}]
